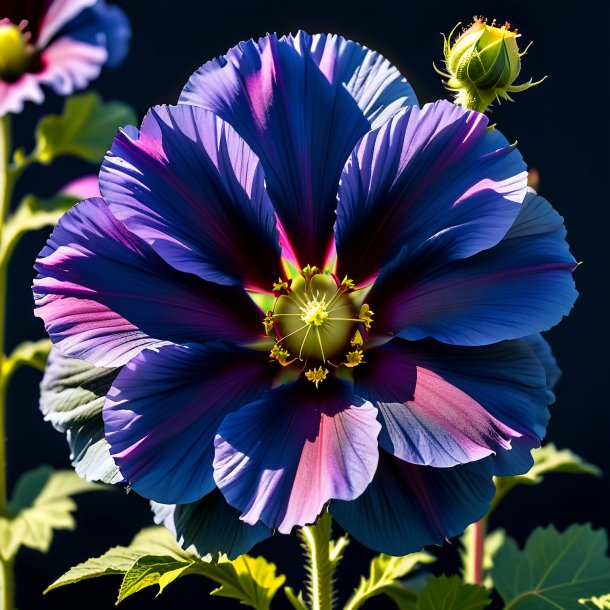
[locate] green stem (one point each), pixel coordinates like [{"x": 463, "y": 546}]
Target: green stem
[
  {"x": 316, "y": 542},
  {"x": 6, "y": 189}
]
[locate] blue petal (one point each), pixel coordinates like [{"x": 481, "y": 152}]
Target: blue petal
[
  {"x": 163, "y": 411},
  {"x": 544, "y": 353},
  {"x": 435, "y": 172},
  {"x": 102, "y": 25},
  {"x": 301, "y": 103},
  {"x": 190, "y": 187},
  {"x": 407, "y": 507},
  {"x": 519, "y": 287},
  {"x": 443, "y": 405},
  {"x": 210, "y": 526},
  {"x": 280, "y": 459},
  {"x": 105, "y": 295}
]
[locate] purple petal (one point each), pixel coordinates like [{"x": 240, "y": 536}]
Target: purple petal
[
  {"x": 456, "y": 404},
  {"x": 190, "y": 187},
  {"x": 280, "y": 459},
  {"x": 162, "y": 412},
  {"x": 407, "y": 507},
  {"x": 301, "y": 103},
  {"x": 431, "y": 172},
  {"x": 210, "y": 526},
  {"x": 105, "y": 295},
  {"x": 519, "y": 287}
]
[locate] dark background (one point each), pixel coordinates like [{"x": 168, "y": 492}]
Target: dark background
[{"x": 563, "y": 131}]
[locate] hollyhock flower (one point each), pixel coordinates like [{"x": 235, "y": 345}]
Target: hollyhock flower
[
  {"x": 316, "y": 291},
  {"x": 62, "y": 44}
]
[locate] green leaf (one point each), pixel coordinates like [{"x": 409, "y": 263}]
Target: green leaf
[
  {"x": 547, "y": 459},
  {"x": 384, "y": 578},
  {"x": 40, "y": 504},
  {"x": 154, "y": 559},
  {"x": 296, "y": 601},
  {"x": 85, "y": 128},
  {"x": 33, "y": 213},
  {"x": 72, "y": 395},
  {"x": 555, "y": 570},
  {"x": 31, "y": 353},
  {"x": 450, "y": 593}
]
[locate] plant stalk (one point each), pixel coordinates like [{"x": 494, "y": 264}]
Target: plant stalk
[
  {"x": 476, "y": 574},
  {"x": 6, "y": 188}
]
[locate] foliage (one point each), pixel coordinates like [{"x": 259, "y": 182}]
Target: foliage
[{"x": 450, "y": 593}]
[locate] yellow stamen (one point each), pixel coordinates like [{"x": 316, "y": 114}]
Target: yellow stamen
[
  {"x": 280, "y": 285},
  {"x": 357, "y": 341},
  {"x": 314, "y": 312},
  {"x": 281, "y": 355},
  {"x": 354, "y": 358},
  {"x": 366, "y": 315},
  {"x": 268, "y": 322},
  {"x": 316, "y": 375}
]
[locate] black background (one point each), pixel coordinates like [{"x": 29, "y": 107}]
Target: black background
[{"x": 563, "y": 131}]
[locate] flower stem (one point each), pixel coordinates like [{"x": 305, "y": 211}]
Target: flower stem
[
  {"x": 475, "y": 571},
  {"x": 6, "y": 188},
  {"x": 319, "y": 565}
]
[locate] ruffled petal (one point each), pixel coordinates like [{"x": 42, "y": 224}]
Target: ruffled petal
[
  {"x": 210, "y": 526},
  {"x": 540, "y": 346},
  {"x": 435, "y": 172},
  {"x": 301, "y": 103},
  {"x": 190, "y": 187},
  {"x": 280, "y": 459},
  {"x": 13, "y": 96},
  {"x": 163, "y": 410},
  {"x": 407, "y": 507},
  {"x": 58, "y": 14},
  {"x": 519, "y": 287},
  {"x": 105, "y": 295}
]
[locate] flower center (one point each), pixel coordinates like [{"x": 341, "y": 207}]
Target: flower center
[
  {"x": 15, "y": 52},
  {"x": 318, "y": 324}
]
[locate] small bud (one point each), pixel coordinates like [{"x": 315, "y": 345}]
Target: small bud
[{"x": 483, "y": 64}]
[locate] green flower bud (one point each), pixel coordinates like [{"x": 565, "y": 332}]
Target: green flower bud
[{"x": 483, "y": 64}]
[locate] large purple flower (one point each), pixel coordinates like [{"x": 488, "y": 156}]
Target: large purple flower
[
  {"x": 62, "y": 44},
  {"x": 317, "y": 292}
]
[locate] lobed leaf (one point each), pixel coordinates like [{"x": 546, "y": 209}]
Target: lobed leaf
[
  {"x": 554, "y": 570},
  {"x": 450, "y": 593},
  {"x": 31, "y": 353},
  {"x": 85, "y": 128}
]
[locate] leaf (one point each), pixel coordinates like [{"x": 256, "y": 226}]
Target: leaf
[
  {"x": 32, "y": 353},
  {"x": 85, "y": 128},
  {"x": 384, "y": 578},
  {"x": 33, "y": 213},
  {"x": 296, "y": 601},
  {"x": 555, "y": 570},
  {"x": 547, "y": 459},
  {"x": 72, "y": 395},
  {"x": 40, "y": 504},
  {"x": 450, "y": 593},
  {"x": 154, "y": 559}
]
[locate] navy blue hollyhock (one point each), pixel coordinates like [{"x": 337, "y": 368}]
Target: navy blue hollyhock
[
  {"x": 317, "y": 292},
  {"x": 62, "y": 44}
]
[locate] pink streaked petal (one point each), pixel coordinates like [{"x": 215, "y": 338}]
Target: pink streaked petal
[
  {"x": 84, "y": 187},
  {"x": 14, "y": 95},
  {"x": 70, "y": 65},
  {"x": 59, "y": 13},
  {"x": 324, "y": 446}
]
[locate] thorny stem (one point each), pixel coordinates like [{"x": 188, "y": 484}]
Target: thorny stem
[{"x": 6, "y": 184}]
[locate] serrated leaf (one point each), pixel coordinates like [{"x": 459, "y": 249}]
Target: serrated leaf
[
  {"x": 554, "y": 570},
  {"x": 384, "y": 577},
  {"x": 547, "y": 459},
  {"x": 154, "y": 559},
  {"x": 32, "y": 353},
  {"x": 450, "y": 593},
  {"x": 33, "y": 213},
  {"x": 41, "y": 503},
  {"x": 72, "y": 395},
  {"x": 85, "y": 128}
]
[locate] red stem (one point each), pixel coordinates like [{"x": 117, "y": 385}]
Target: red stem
[{"x": 479, "y": 531}]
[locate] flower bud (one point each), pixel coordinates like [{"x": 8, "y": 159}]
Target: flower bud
[
  {"x": 483, "y": 64},
  {"x": 14, "y": 55}
]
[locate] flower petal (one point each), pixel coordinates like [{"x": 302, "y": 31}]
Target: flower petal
[
  {"x": 301, "y": 103},
  {"x": 57, "y": 15},
  {"x": 519, "y": 287},
  {"x": 435, "y": 171},
  {"x": 190, "y": 187},
  {"x": 210, "y": 526},
  {"x": 281, "y": 458},
  {"x": 407, "y": 507},
  {"x": 163, "y": 410},
  {"x": 105, "y": 295},
  {"x": 443, "y": 405}
]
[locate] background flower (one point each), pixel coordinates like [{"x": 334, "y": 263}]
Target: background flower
[
  {"x": 433, "y": 212},
  {"x": 62, "y": 44}
]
